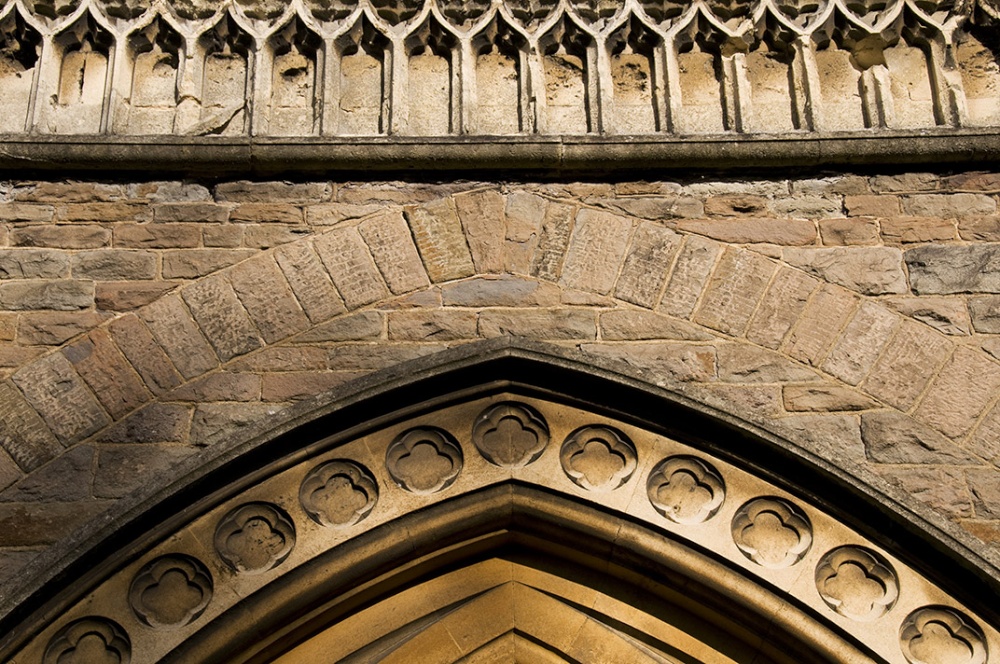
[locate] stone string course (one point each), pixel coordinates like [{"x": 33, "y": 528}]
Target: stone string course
[
  {"x": 371, "y": 67},
  {"x": 858, "y": 315}
]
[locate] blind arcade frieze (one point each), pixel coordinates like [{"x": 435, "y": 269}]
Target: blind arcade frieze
[{"x": 518, "y": 67}]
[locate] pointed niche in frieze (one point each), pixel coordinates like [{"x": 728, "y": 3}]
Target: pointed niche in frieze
[
  {"x": 568, "y": 55},
  {"x": 433, "y": 80},
  {"x": 359, "y": 94},
  {"x": 295, "y": 81},
  {"x": 503, "y": 103},
  {"x": 157, "y": 51},
  {"x": 19, "y": 50},
  {"x": 228, "y": 58},
  {"x": 482, "y": 483},
  {"x": 637, "y": 76},
  {"x": 77, "y": 105}
]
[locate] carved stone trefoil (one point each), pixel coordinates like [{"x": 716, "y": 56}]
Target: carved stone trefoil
[
  {"x": 255, "y": 537},
  {"x": 171, "y": 591},
  {"x": 686, "y": 489},
  {"x": 424, "y": 460},
  {"x": 772, "y": 532},
  {"x": 510, "y": 434},
  {"x": 857, "y": 583},
  {"x": 942, "y": 635},
  {"x": 338, "y": 493},
  {"x": 91, "y": 640},
  {"x": 598, "y": 458}
]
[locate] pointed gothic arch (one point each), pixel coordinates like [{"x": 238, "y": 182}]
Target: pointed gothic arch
[{"x": 354, "y": 507}]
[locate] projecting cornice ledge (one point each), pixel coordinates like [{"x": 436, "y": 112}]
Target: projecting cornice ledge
[{"x": 250, "y": 156}]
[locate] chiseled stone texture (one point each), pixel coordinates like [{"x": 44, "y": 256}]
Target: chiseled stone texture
[{"x": 167, "y": 316}]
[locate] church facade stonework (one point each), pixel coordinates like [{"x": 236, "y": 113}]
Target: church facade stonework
[{"x": 511, "y": 331}]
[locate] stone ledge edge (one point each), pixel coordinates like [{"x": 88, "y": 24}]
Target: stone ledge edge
[{"x": 263, "y": 156}]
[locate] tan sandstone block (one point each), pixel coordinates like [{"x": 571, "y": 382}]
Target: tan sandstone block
[
  {"x": 859, "y": 346},
  {"x": 102, "y": 365},
  {"x": 54, "y": 388},
  {"x": 907, "y": 364},
  {"x": 482, "y": 216},
  {"x": 388, "y": 237},
  {"x": 175, "y": 330},
  {"x": 310, "y": 282},
  {"x": 268, "y": 298},
  {"x": 781, "y": 306},
  {"x": 441, "y": 241},
  {"x": 968, "y": 383},
  {"x": 736, "y": 287},
  {"x": 219, "y": 314},
  {"x": 351, "y": 267},
  {"x": 694, "y": 265},
  {"x": 648, "y": 264},
  {"x": 820, "y": 323},
  {"x": 596, "y": 251}
]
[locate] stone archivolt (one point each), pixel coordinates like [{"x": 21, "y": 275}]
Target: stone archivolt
[
  {"x": 440, "y": 67},
  {"x": 773, "y": 538}
]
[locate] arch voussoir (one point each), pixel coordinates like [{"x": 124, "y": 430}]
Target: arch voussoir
[{"x": 721, "y": 322}]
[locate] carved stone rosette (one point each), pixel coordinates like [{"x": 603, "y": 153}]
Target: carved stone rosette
[
  {"x": 338, "y": 493},
  {"x": 255, "y": 537},
  {"x": 942, "y": 635},
  {"x": 772, "y": 532},
  {"x": 424, "y": 460},
  {"x": 91, "y": 640},
  {"x": 171, "y": 591},
  {"x": 857, "y": 583},
  {"x": 598, "y": 458},
  {"x": 686, "y": 489},
  {"x": 510, "y": 434}
]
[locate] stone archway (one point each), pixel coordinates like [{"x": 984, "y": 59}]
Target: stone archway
[{"x": 432, "y": 507}]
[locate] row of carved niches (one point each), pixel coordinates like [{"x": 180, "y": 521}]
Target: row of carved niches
[
  {"x": 279, "y": 523},
  {"x": 439, "y": 67}
]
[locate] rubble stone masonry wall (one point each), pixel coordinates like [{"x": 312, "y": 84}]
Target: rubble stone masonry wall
[{"x": 856, "y": 314}]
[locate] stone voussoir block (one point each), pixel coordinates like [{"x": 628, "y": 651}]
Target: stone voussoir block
[
  {"x": 596, "y": 251},
  {"x": 268, "y": 298},
  {"x": 734, "y": 291},
  {"x": 391, "y": 245},
  {"x": 351, "y": 267},
  {"x": 867, "y": 270},
  {"x": 221, "y": 317},
  {"x": 147, "y": 357},
  {"x": 62, "y": 398},
  {"x": 99, "y": 361},
  {"x": 440, "y": 239},
  {"x": 648, "y": 264}
]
